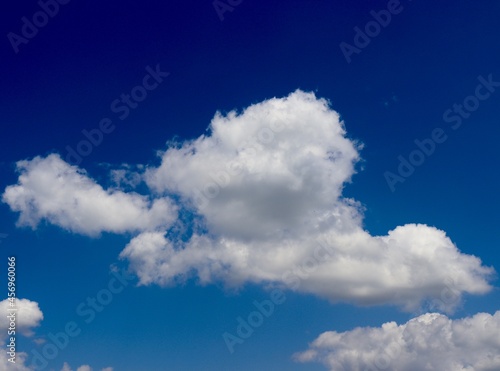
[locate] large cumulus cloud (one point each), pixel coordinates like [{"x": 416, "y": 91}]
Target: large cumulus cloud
[
  {"x": 258, "y": 199},
  {"x": 267, "y": 184}
]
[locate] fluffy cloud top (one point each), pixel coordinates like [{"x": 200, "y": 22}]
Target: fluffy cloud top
[
  {"x": 429, "y": 342},
  {"x": 264, "y": 172},
  {"x": 263, "y": 191},
  {"x": 51, "y": 189}
]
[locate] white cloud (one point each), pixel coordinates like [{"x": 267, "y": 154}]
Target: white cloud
[
  {"x": 51, "y": 189},
  {"x": 431, "y": 342},
  {"x": 28, "y": 315},
  {"x": 20, "y": 364},
  {"x": 278, "y": 164},
  {"x": 265, "y": 188},
  {"x": 267, "y": 184}
]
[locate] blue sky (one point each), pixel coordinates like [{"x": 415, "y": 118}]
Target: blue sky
[{"x": 186, "y": 292}]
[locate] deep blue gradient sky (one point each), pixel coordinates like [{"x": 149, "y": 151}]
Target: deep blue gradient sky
[{"x": 393, "y": 92}]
